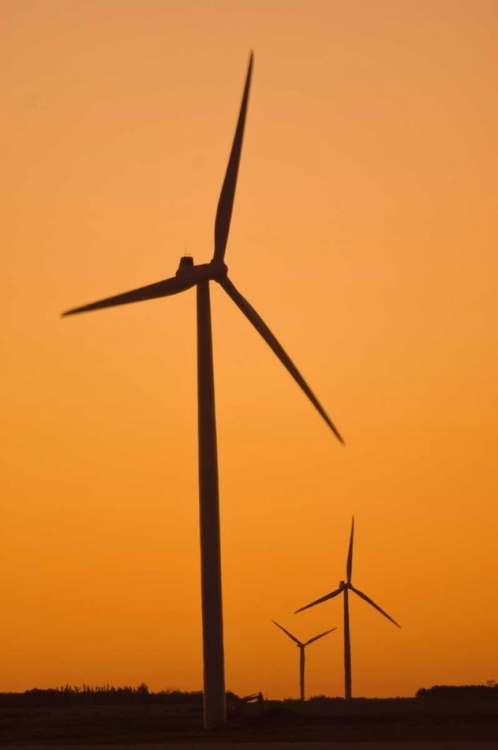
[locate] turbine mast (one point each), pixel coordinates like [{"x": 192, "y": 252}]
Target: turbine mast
[
  {"x": 347, "y": 647},
  {"x": 209, "y": 514},
  {"x": 302, "y": 658}
]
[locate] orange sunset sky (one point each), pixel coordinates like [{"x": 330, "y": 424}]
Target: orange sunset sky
[{"x": 364, "y": 232}]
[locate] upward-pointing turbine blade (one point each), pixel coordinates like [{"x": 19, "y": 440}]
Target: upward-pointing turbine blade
[
  {"x": 349, "y": 566},
  {"x": 161, "y": 289},
  {"x": 287, "y": 633},
  {"x": 227, "y": 195},
  {"x": 319, "y": 601},
  {"x": 311, "y": 640},
  {"x": 376, "y": 606},
  {"x": 272, "y": 342}
]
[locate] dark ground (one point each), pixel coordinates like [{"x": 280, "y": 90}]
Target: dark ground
[{"x": 320, "y": 720}]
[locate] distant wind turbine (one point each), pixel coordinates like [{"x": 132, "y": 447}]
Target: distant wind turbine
[
  {"x": 301, "y": 646},
  {"x": 189, "y": 275},
  {"x": 344, "y": 588}
]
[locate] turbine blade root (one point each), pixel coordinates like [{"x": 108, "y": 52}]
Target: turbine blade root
[
  {"x": 317, "y": 637},
  {"x": 293, "y": 637},
  {"x": 319, "y": 601},
  {"x": 373, "y": 604},
  {"x": 225, "y": 203},
  {"x": 349, "y": 565},
  {"x": 165, "y": 288},
  {"x": 277, "y": 349}
]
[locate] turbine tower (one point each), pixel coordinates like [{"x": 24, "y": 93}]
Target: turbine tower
[
  {"x": 344, "y": 588},
  {"x": 189, "y": 275},
  {"x": 301, "y": 646}
]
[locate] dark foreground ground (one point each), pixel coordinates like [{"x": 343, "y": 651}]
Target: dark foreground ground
[{"x": 360, "y": 720}]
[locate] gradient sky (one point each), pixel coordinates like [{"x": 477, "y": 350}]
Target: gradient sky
[{"x": 365, "y": 234}]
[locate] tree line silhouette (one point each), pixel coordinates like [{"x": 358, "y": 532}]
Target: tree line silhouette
[
  {"x": 111, "y": 695},
  {"x": 97, "y": 695},
  {"x": 489, "y": 690}
]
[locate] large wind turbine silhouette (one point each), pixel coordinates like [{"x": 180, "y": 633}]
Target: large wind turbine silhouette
[
  {"x": 189, "y": 275},
  {"x": 301, "y": 646},
  {"x": 344, "y": 588}
]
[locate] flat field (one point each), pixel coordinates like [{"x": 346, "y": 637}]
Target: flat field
[
  {"x": 351, "y": 725},
  {"x": 444, "y": 745}
]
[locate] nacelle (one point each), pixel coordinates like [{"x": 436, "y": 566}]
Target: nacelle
[{"x": 188, "y": 271}]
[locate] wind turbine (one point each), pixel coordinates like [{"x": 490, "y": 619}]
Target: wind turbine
[
  {"x": 189, "y": 275},
  {"x": 344, "y": 588},
  {"x": 301, "y": 646}
]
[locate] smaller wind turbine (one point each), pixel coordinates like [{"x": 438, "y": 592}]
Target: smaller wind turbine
[
  {"x": 301, "y": 646},
  {"x": 344, "y": 588}
]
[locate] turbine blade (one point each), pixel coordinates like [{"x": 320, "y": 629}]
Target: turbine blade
[
  {"x": 227, "y": 195},
  {"x": 311, "y": 640},
  {"x": 287, "y": 633},
  {"x": 272, "y": 342},
  {"x": 370, "y": 601},
  {"x": 349, "y": 566},
  {"x": 319, "y": 601},
  {"x": 161, "y": 289}
]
